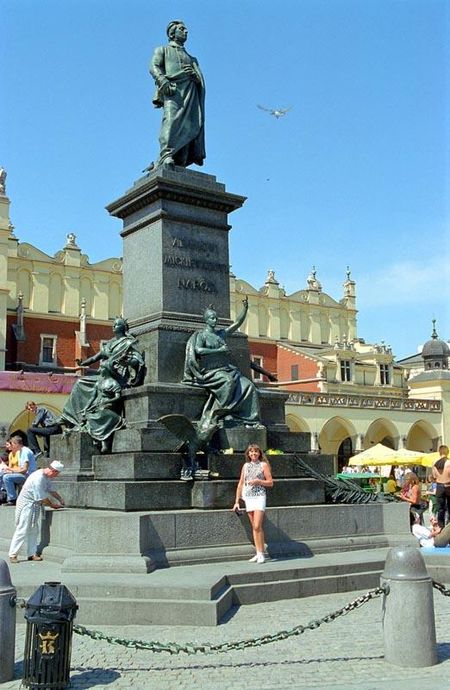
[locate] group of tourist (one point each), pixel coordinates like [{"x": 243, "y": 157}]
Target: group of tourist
[
  {"x": 20, "y": 459},
  {"x": 438, "y": 534},
  {"x": 19, "y": 463},
  {"x": 405, "y": 485},
  {"x": 25, "y": 486}
]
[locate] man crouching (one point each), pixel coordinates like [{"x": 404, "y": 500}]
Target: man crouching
[{"x": 36, "y": 492}]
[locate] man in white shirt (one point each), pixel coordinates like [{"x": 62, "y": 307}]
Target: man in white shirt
[
  {"x": 35, "y": 493},
  {"x": 17, "y": 475}
]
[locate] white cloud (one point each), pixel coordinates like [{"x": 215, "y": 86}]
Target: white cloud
[{"x": 405, "y": 283}]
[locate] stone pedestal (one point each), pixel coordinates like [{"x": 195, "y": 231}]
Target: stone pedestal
[
  {"x": 143, "y": 470},
  {"x": 75, "y": 451},
  {"x": 175, "y": 263}
]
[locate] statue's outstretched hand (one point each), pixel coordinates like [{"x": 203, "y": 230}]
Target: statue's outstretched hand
[{"x": 245, "y": 302}]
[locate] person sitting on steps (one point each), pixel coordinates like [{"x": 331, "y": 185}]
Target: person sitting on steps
[
  {"x": 16, "y": 476},
  {"x": 44, "y": 424}
]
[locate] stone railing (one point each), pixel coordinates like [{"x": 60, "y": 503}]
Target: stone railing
[{"x": 361, "y": 401}]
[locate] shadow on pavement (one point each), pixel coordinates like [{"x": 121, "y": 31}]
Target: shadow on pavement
[
  {"x": 443, "y": 651},
  {"x": 93, "y": 677},
  {"x": 245, "y": 664}
]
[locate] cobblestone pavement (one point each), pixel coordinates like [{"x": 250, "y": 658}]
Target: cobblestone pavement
[{"x": 345, "y": 653}]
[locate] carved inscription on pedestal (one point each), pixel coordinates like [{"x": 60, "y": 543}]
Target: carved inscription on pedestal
[{"x": 195, "y": 262}]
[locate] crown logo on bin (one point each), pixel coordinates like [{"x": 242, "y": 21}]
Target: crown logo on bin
[{"x": 47, "y": 645}]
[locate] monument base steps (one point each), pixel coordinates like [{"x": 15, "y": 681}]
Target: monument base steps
[
  {"x": 203, "y": 595},
  {"x": 116, "y": 563}
]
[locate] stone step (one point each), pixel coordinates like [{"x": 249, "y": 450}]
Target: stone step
[
  {"x": 285, "y": 492},
  {"x": 150, "y": 465},
  {"x": 198, "y": 611},
  {"x": 125, "y": 495},
  {"x": 203, "y": 594},
  {"x": 297, "y": 587},
  {"x": 134, "y": 542},
  {"x": 282, "y": 466}
]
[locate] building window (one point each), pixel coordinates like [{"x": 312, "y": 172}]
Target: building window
[
  {"x": 48, "y": 350},
  {"x": 385, "y": 377},
  {"x": 346, "y": 371},
  {"x": 294, "y": 372},
  {"x": 256, "y": 375}
]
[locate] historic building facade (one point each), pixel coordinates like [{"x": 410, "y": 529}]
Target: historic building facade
[{"x": 348, "y": 394}]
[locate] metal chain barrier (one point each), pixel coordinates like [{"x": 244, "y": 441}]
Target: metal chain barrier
[
  {"x": 441, "y": 588},
  {"x": 190, "y": 648}
]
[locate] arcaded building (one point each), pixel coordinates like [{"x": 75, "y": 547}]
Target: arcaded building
[{"x": 346, "y": 393}]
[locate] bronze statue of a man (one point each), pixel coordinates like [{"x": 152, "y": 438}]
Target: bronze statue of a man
[{"x": 180, "y": 90}]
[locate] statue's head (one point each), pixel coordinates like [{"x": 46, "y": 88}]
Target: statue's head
[
  {"x": 210, "y": 315},
  {"x": 120, "y": 325},
  {"x": 177, "y": 29}
]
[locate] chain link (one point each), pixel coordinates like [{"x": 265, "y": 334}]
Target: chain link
[
  {"x": 191, "y": 648},
  {"x": 441, "y": 588}
]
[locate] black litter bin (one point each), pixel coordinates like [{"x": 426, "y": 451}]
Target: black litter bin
[{"x": 48, "y": 643}]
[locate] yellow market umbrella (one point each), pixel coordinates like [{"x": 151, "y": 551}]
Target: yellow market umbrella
[
  {"x": 405, "y": 457},
  {"x": 428, "y": 459},
  {"x": 382, "y": 455},
  {"x": 375, "y": 455}
]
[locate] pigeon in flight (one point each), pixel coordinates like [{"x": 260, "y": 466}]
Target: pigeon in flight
[{"x": 276, "y": 112}]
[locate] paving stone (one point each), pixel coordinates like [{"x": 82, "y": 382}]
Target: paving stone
[{"x": 346, "y": 653}]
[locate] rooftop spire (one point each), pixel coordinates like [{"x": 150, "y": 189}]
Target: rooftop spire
[{"x": 434, "y": 334}]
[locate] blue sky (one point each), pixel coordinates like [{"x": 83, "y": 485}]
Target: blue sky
[{"x": 355, "y": 174}]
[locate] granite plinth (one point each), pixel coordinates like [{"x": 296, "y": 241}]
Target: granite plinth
[
  {"x": 75, "y": 451},
  {"x": 229, "y": 466},
  {"x": 142, "y": 472},
  {"x": 240, "y": 437},
  {"x": 154, "y": 438},
  {"x": 137, "y": 494},
  {"x": 289, "y": 441},
  {"x": 137, "y": 466},
  {"x": 285, "y": 492},
  {"x": 147, "y": 403},
  {"x": 112, "y": 541},
  {"x": 175, "y": 231},
  {"x": 125, "y": 495}
]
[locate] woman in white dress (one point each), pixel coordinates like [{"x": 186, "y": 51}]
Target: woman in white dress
[{"x": 255, "y": 477}]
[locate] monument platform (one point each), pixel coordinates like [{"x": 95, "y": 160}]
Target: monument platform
[
  {"x": 115, "y": 563},
  {"x": 143, "y": 470}
]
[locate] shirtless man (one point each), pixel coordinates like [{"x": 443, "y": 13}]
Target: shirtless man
[{"x": 441, "y": 475}]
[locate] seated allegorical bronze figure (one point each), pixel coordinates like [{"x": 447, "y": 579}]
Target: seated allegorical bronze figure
[
  {"x": 94, "y": 405},
  {"x": 208, "y": 364},
  {"x": 233, "y": 398}
]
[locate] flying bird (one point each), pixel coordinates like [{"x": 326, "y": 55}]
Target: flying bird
[{"x": 276, "y": 112}]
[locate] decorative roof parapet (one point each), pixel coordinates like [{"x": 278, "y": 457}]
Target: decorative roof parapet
[{"x": 361, "y": 401}]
